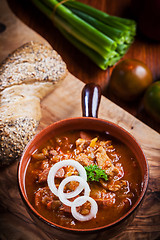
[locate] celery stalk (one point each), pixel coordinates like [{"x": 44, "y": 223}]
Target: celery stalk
[
  {"x": 120, "y": 23},
  {"x": 96, "y": 58},
  {"x": 82, "y": 26},
  {"x": 113, "y": 33},
  {"x": 82, "y": 38},
  {"x": 103, "y": 38}
]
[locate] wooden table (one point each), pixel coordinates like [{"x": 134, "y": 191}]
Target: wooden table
[{"x": 15, "y": 222}]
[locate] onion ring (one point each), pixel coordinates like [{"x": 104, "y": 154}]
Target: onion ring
[
  {"x": 57, "y": 166},
  {"x": 64, "y": 196},
  {"x": 79, "y": 202}
]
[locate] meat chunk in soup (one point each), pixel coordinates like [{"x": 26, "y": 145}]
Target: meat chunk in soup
[
  {"x": 82, "y": 144},
  {"x": 44, "y": 196},
  {"x": 104, "y": 162},
  {"x": 103, "y": 197},
  {"x": 83, "y": 159}
]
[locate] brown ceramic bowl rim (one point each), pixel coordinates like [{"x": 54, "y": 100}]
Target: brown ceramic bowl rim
[{"x": 46, "y": 130}]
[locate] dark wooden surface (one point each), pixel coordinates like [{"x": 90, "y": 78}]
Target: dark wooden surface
[
  {"x": 15, "y": 223},
  {"x": 84, "y": 69}
]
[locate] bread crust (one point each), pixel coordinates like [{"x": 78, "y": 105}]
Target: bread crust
[
  {"x": 14, "y": 136},
  {"x": 26, "y": 77}
]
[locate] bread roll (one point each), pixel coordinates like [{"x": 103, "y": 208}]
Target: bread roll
[{"x": 26, "y": 77}]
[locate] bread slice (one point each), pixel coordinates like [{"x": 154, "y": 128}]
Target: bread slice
[
  {"x": 26, "y": 77},
  {"x": 26, "y": 107},
  {"x": 18, "y": 92},
  {"x": 30, "y": 63}
]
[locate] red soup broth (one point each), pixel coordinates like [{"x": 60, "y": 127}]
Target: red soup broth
[{"x": 114, "y": 197}]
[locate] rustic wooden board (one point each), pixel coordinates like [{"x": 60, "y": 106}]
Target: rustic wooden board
[{"x": 65, "y": 102}]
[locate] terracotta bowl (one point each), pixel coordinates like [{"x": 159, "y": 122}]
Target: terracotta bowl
[{"x": 91, "y": 93}]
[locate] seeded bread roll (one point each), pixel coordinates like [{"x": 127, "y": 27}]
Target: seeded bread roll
[{"x": 26, "y": 76}]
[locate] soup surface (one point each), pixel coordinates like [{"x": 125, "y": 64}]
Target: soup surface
[{"x": 114, "y": 196}]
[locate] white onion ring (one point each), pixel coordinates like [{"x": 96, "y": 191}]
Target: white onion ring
[
  {"x": 64, "y": 196},
  {"x": 57, "y": 166},
  {"x": 79, "y": 202}
]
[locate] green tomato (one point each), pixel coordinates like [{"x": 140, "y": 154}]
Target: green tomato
[
  {"x": 152, "y": 100},
  {"x": 129, "y": 79}
]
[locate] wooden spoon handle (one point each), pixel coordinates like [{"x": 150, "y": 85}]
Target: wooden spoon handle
[{"x": 91, "y": 96}]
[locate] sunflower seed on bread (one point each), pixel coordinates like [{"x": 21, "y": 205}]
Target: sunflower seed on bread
[{"x": 26, "y": 76}]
